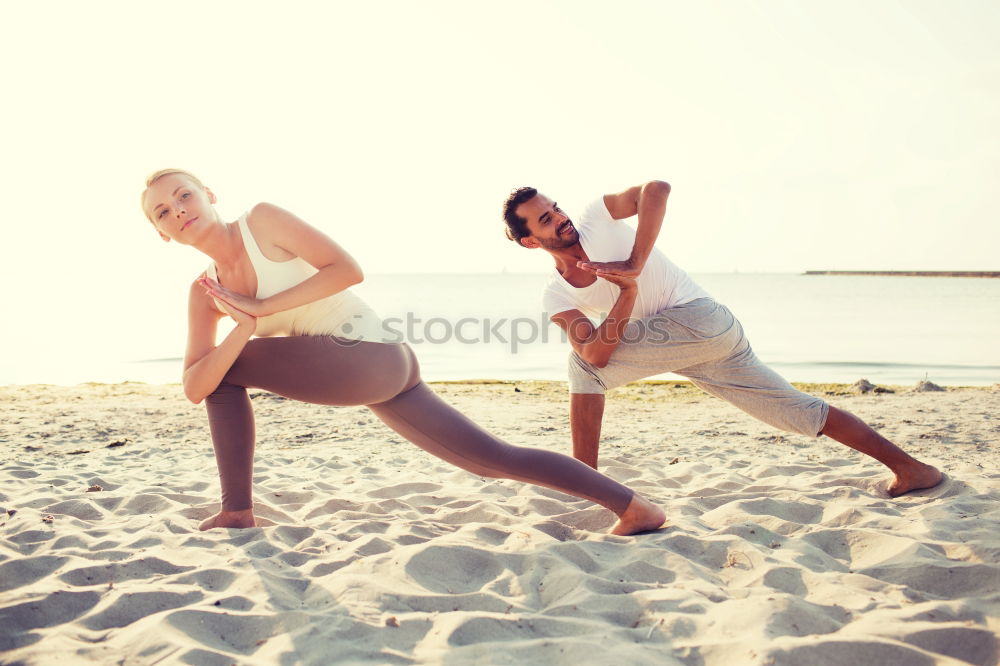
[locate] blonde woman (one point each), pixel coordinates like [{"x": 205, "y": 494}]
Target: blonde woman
[{"x": 301, "y": 334}]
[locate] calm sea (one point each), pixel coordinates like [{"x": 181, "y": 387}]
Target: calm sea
[{"x": 894, "y": 330}]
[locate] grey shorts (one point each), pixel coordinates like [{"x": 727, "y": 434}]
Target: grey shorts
[{"x": 703, "y": 342}]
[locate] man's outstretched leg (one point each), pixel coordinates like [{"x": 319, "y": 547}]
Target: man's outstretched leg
[
  {"x": 743, "y": 381},
  {"x": 911, "y": 474},
  {"x": 586, "y": 412}
]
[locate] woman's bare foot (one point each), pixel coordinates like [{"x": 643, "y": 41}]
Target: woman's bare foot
[
  {"x": 230, "y": 519},
  {"x": 914, "y": 477},
  {"x": 640, "y": 515}
]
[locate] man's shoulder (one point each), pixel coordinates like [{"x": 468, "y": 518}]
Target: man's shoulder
[{"x": 595, "y": 210}]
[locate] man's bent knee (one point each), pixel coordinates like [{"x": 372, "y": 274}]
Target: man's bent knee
[{"x": 583, "y": 377}]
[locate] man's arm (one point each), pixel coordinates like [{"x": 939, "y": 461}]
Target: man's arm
[
  {"x": 595, "y": 345},
  {"x": 649, "y": 202}
]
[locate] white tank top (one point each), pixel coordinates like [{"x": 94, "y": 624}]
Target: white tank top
[{"x": 343, "y": 314}]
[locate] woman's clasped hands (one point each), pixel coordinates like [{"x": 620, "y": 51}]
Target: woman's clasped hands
[{"x": 243, "y": 309}]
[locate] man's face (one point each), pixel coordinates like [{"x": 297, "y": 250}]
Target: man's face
[{"x": 549, "y": 226}]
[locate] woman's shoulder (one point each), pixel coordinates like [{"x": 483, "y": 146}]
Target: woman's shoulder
[
  {"x": 270, "y": 224},
  {"x": 268, "y": 218},
  {"x": 268, "y": 213},
  {"x": 264, "y": 210}
]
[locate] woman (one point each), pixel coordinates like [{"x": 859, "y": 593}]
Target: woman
[{"x": 286, "y": 282}]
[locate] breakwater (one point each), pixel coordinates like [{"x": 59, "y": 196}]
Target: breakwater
[{"x": 969, "y": 274}]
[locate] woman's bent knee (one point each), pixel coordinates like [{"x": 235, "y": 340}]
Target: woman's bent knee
[{"x": 224, "y": 391}]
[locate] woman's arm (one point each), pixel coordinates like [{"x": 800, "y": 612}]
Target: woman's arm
[
  {"x": 205, "y": 364},
  {"x": 286, "y": 234}
]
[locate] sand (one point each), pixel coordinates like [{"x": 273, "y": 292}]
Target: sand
[{"x": 780, "y": 549}]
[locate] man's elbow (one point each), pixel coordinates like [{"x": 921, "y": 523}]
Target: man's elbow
[
  {"x": 660, "y": 187},
  {"x": 598, "y": 359}
]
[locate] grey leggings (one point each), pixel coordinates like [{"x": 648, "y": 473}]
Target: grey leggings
[
  {"x": 704, "y": 342},
  {"x": 385, "y": 377}
]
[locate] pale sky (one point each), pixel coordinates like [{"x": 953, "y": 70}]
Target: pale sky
[{"x": 796, "y": 135}]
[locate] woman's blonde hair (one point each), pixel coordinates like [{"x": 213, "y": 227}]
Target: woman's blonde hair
[{"x": 155, "y": 176}]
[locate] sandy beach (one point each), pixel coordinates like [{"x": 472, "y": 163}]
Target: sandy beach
[{"x": 779, "y": 549}]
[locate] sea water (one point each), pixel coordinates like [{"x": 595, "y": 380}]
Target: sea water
[{"x": 889, "y": 330}]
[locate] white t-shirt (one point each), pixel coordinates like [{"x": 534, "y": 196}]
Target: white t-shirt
[{"x": 661, "y": 283}]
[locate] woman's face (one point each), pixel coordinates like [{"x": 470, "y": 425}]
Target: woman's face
[{"x": 179, "y": 208}]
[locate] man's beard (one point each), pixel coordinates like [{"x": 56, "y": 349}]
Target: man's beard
[{"x": 561, "y": 241}]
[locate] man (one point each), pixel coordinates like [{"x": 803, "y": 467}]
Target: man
[{"x": 655, "y": 319}]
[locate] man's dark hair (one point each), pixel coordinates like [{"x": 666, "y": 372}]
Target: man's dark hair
[{"x": 517, "y": 226}]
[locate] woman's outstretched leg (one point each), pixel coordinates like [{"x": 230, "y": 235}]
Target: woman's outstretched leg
[
  {"x": 386, "y": 377},
  {"x": 422, "y": 417}
]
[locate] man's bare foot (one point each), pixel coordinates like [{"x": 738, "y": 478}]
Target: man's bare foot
[
  {"x": 640, "y": 515},
  {"x": 914, "y": 477},
  {"x": 230, "y": 519}
]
